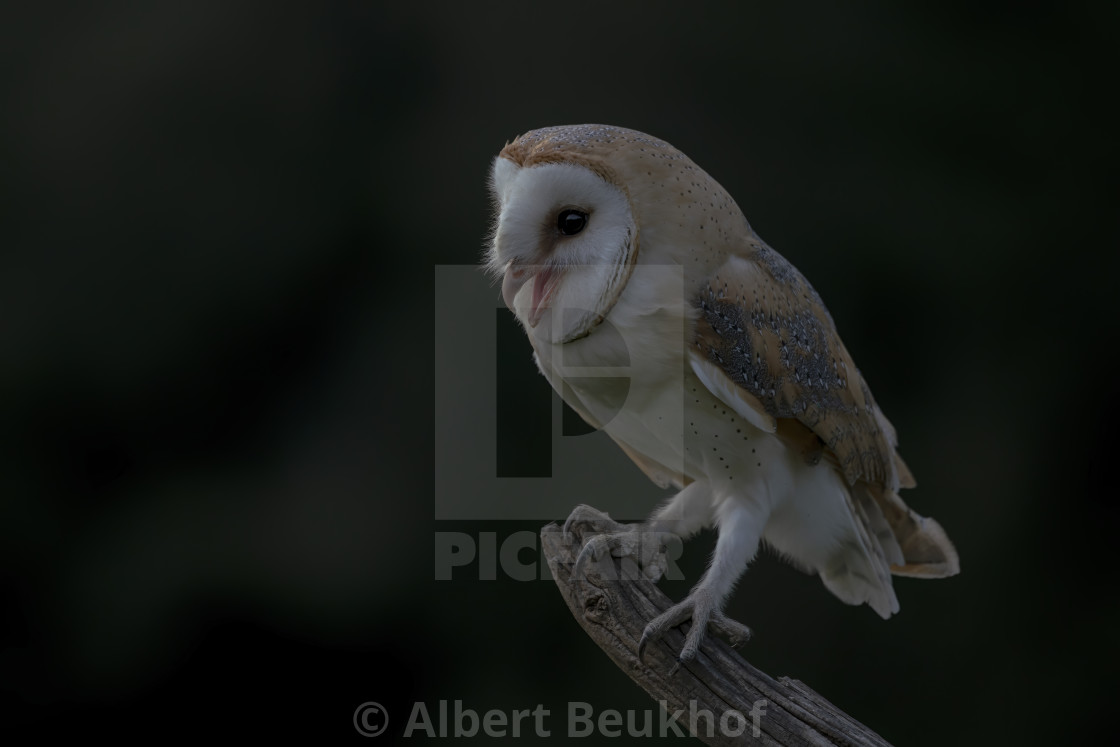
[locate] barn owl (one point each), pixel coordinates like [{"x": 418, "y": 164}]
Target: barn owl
[{"x": 740, "y": 393}]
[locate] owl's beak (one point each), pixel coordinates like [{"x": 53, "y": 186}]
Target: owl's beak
[{"x": 545, "y": 281}]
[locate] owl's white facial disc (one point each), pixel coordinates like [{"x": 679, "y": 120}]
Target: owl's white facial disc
[{"x": 565, "y": 243}]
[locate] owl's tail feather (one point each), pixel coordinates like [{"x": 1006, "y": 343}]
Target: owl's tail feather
[
  {"x": 888, "y": 539},
  {"x": 861, "y": 572},
  {"x": 927, "y": 551}
]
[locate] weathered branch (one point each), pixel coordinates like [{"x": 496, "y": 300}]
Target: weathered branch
[{"x": 614, "y": 602}]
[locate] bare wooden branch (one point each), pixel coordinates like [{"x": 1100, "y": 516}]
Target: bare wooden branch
[{"x": 613, "y": 603}]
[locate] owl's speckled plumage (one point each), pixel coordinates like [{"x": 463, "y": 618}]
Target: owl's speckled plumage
[
  {"x": 771, "y": 433},
  {"x": 768, "y": 330}
]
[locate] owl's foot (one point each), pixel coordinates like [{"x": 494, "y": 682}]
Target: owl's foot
[
  {"x": 700, "y": 606},
  {"x": 606, "y": 536},
  {"x": 587, "y": 520}
]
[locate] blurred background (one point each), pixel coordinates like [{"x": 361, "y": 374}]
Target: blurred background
[{"x": 221, "y": 224}]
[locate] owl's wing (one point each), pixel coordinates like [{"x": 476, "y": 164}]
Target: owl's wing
[
  {"x": 766, "y": 334},
  {"x": 765, "y": 344}
]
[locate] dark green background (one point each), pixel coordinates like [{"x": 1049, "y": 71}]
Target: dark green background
[{"x": 220, "y": 223}]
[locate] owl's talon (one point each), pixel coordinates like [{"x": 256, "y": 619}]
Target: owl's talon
[
  {"x": 592, "y": 550},
  {"x": 735, "y": 632},
  {"x": 597, "y": 521},
  {"x": 647, "y": 548},
  {"x": 700, "y": 607}
]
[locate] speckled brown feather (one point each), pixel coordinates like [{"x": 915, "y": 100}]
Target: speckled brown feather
[{"x": 766, "y": 328}]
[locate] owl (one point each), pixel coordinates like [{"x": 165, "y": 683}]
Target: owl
[{"x": 617, "y": 252}]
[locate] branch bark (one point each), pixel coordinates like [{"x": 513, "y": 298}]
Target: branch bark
[{"x": 614, "y": 602}]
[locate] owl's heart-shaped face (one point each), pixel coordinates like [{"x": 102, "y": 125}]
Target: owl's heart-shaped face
[{"x": 564, "y": 241}]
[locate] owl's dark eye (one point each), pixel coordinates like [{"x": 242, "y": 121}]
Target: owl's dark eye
[{"x": 571, "y": 222}]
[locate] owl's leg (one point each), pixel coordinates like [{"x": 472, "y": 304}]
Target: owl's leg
[
  {"x": 685, "y": 514},
  {"x": 740, "y": 531}
]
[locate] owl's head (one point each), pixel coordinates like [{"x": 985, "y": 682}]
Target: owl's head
[
  {"x": 579, "y": 206},
  {"x": 565, "y": 238}
]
